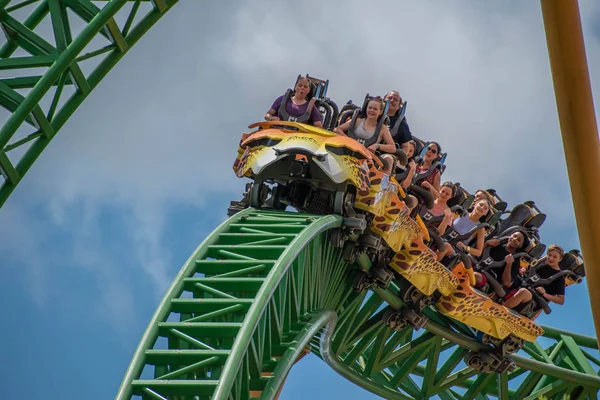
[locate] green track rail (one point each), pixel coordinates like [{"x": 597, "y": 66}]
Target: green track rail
[
  {"x": 265, "y": 284},
  {"x": 48, "y": 75}
]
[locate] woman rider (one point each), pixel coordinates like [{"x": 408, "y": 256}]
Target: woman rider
[
  {"x": 364, "y": 130},
  {"x": 432, "y": 182},
  {"x": 296, "y": 105},
  {"x": 463, "y": 225}
]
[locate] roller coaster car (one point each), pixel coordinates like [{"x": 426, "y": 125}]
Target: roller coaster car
[
  {"x": 310, "y": 168},
  {"x": 504, "y": 328},
  {"x": 420, "y": 270},
  {"x": 387, "y": 211},
  {"x": 389, "y": 216}
]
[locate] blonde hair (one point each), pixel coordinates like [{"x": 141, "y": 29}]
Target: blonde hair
[{"x": 556, "y": 248}]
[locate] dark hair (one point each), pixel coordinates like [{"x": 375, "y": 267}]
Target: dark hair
[
  {"x": 526, "y": 241},
  {"x": 438, "y": 147},
  {"x": 451, "y": 185}
]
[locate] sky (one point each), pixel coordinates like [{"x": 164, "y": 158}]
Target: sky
[{"x": 142, "y": 173}]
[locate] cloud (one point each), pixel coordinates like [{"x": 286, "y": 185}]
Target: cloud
[
  {"x": 20, "y": 243},
  {"x": 476, "y": 78},
  {"x": 161, "y": 131}
]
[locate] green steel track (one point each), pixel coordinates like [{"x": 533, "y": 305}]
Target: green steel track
[
  {"x": 47, "y": 75},
  {"x": 266, "y": 284}
]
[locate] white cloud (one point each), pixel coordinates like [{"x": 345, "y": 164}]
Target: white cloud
[
  {"x": 21, "y": 237},
  {"x": 163, "y": 128}
]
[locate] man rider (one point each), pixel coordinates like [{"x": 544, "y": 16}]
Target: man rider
[
  {"x": 505, "y": 274},
  {"x": 400, "y": 130}
]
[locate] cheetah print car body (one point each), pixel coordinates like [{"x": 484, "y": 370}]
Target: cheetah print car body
[
  {"x": 396, "y": 226},
  {"x": 482, "y": 313},
  {"x": 340, "y": 158},
  {"x": 380, "y": 194},
  {"x": 418, "y": 265}
]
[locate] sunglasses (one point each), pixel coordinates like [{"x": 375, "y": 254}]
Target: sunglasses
[{"x": 431, "y": 149}]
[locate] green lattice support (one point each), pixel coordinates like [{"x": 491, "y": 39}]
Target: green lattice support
[
  {"x": 40, "y": 104},
  {"x": 264, "y": 283}
]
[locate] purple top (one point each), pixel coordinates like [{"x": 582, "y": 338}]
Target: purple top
[{"x": 297, "y": 110}]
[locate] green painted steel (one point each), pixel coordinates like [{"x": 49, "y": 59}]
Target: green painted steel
[
  {"x": 40, "y": 104},
  {"x": 265, "y": 284},
  {"x": 241, "y": 301}
]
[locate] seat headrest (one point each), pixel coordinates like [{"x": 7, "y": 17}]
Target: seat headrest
[
  {"x": 568, "y": 262},
  {"x": 519, "y": 215}
]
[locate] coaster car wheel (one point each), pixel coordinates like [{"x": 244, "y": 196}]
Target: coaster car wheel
[
  {"x": 394, "y": 319},
  {"x": 510, "y": 345},
  {"x": 489, "y": 362},
  {"x": 338, "y": 202},
  {"x": 336, "y": 238},
  {"x": 342, "y": 201},
  {"x": 258, "y": 194},
  {"x": 350, "y": 252},
  {"x": 381, "y": 276},
  {"x": 361, "y": 282}
]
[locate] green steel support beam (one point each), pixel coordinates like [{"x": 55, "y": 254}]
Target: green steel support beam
[
  {"x": 256, "y": 282},
  {"x": 62, "y": 68},
  {"x": 265, "y": 274},
  {"x": 294, "y": 350}
]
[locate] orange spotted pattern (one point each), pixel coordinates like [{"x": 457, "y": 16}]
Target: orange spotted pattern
[
  {"x": 482, "y": 313},
  {"x": 396, "y": 226},
  {"x": 360, "y": 172},
  {"x": 378, "y": 196},
  {"x": 419, "y": 266},
  {"x": 243, "y": 168}
]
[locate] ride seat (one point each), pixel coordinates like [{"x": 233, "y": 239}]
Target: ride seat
[
  {"x": 572, "y": 261},
  {"x": 518, "y": 216},
  {"x": 459, "y": 197}
]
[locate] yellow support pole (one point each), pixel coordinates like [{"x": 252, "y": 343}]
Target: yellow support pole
[{"x": 577, "y": 117}]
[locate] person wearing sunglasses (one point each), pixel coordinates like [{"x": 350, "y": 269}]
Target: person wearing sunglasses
[{"x": 431, "y": 182}]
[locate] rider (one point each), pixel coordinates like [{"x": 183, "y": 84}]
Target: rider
[
  {"x": 365, "y": 128},
  {"x": 399, "y": 130},
  {"x": 440, "y": 206},
  {"x": 498, "y": 253},
  {"x": 296, "y": 106},
  {"x": 432, "y": 182},
  {"x": 554, "y": 291},
  {"x": 463, "y": 225}
]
